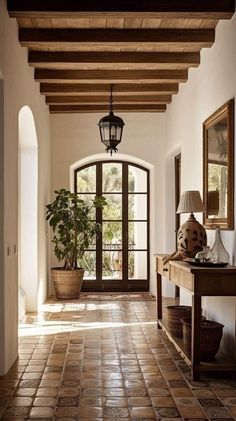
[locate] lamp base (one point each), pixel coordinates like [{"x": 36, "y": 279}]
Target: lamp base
[{"x": 191, "y": 238}]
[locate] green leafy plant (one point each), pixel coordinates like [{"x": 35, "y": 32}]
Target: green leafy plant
[{"x": 69, "y": 217}]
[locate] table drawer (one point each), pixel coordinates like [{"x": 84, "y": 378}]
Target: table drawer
[{"x": 162, "y": 269}]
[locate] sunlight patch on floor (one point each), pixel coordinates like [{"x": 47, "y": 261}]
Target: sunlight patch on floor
[{"x": 60, "y": 326}]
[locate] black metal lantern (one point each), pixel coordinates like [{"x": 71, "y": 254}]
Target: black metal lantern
[{"x": 111, "y": 128}]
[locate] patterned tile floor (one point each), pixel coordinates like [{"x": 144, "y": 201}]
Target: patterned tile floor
[{"x": 106, "y": 361}]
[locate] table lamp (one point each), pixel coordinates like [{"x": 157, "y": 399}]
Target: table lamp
[{"x": 191, "y": 236}]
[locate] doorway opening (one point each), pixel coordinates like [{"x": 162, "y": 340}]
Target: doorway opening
[
  {"x": 177, "y": 199},
  {"x": 119, "y": 259},
  {"x": 28, "y": 210}
]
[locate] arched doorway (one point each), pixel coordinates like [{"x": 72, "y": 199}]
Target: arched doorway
[
  {"x": 28, "y": 208},
  {"x": 119, "y": 260}
]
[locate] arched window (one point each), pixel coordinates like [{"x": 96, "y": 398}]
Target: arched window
[{"x": 119, "y": 260}]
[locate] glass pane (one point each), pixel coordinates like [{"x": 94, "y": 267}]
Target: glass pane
[
  {"x": 112, "y": 264},
  {"x": 137, "y": 235},
  {"x": 137, "y": 179},
  {"x": 88, "y": 198},
  {"x": 88, "y": 262},
  {"x": 113, "y": 210},
  {"x": 112, "y": 235},
  {"x": 86, "y": 180},
  {"x": 111, "y": 177},
  {"x": 217, "y": 197},
  {"x": 137, "y": 206},
  {"x": 137, "y": 264}
]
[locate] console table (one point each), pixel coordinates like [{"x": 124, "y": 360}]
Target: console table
[{"x": 199, "y": 282}]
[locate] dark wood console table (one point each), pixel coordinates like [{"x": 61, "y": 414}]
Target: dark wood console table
[{"x": 199, "y": 282}]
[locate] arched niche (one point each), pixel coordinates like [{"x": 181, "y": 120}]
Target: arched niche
[{"x": 28, "y": 208}]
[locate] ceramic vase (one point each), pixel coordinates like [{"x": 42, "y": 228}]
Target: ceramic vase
[{"x": 220, "y": 254}]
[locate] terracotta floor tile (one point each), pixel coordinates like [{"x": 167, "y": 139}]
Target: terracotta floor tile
[
  {"x": 67, "y": 412},
  {"x": 47, "y": 392},
  {"x": 69, "y": 392},
  {"x": 115, "y": 412},
  {"x": 69, "y": 383},
  {"x": 142, "y": 412},
  {"x": 181, "y": 392},
  {"x": 45, "y": 402},
  {"x": 119, "y": 392},
  {"x": 129, "y": 372},
  {"x": 191, "y": 411},
  {"x": 225, "y": 392},
  {"x": 134, "y": 383},
  {"x": 175, "y": 375},
  {"x": 41, "y": 412},
  {"x": 51, "y": 376},
  {"x": 229, "y": 401},
  {"x": 217, "y": 412},
  {"x": 90, "y": 412},
  {"x": 17, "y": 411},
  {"x": 26, "y": 391},
  {"x": 115, "y": 402},
  {"x": 50, "y": 383},
  {"x": 20, "y": 401},
  {"x": 88, "y": 384},
  {"x": 162, "y": 402},
  {"x": 113, "y": 383},
  {"x": 31, "y": 376},
  {"x": 11, "y": 384},
  {"x": 204, "y": 393},
  {"x": 139, "y": 401},
  {"x": 29, "y": 383},
  {"x": 91, "y": 401},
  {"x": 5, "y": 392},
  {"x": 232, "y": 411},
  {"x": 136, "y": 392}
]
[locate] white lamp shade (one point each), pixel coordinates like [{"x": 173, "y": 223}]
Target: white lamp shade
[{"x": 190, "y": 201}]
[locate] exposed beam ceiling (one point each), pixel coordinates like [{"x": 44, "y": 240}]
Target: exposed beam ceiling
[
  {"x": 79, "y": 48},
  {"x": 103, "y": 88},
  {"x": 116, "y": 37},
  {"x": 175, "y": 9},
  {"x": 111, "y": 76},
  {"x": 67, "y": 60}
]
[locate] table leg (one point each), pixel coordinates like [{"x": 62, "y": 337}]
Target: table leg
[
  {"x": 196, "y": 336},
  {"x": 159, "y": 299}
]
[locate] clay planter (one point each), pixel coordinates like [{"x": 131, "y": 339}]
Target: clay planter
[
  {"x": 211, "y": 334},
  {"x": 67, "y": 283}
]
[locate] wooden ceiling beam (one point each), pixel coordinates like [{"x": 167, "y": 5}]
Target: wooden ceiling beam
[
  {"x": 104, "y": 88},
  {"x": 55, "y": 109},
  {"x": 142, "y": 99},
  {"x": 217, "y": 9},
  {"x": 110, "y": 76},
  {"x": 46, "y": 59},
  {"x": 116, "y": 37}
]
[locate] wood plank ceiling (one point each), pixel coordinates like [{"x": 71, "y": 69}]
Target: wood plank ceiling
[{"x": 144, "y": 48}]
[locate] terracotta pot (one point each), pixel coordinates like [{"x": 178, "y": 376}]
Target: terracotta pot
[{"x": 67, "y": 283}]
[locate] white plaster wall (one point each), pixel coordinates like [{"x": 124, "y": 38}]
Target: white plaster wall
[
  {"x": 208, "y": 87},
  {"x": 20, "y": 89},
  {"x": 76, "y": 137}
]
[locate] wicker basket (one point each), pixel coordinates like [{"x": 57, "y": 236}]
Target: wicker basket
[
  {"x": 211, "y": 334},
  {"x": 174, "y": 316}
]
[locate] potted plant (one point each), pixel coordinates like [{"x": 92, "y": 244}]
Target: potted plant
[{"x": 73, "y": 230}]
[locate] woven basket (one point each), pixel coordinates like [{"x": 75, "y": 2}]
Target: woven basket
[
  {"x": 174, "y": 316},
  {"x": 211, "y": 334}
]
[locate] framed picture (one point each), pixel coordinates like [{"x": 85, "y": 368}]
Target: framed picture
[{"x": 218, "y": 168}]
